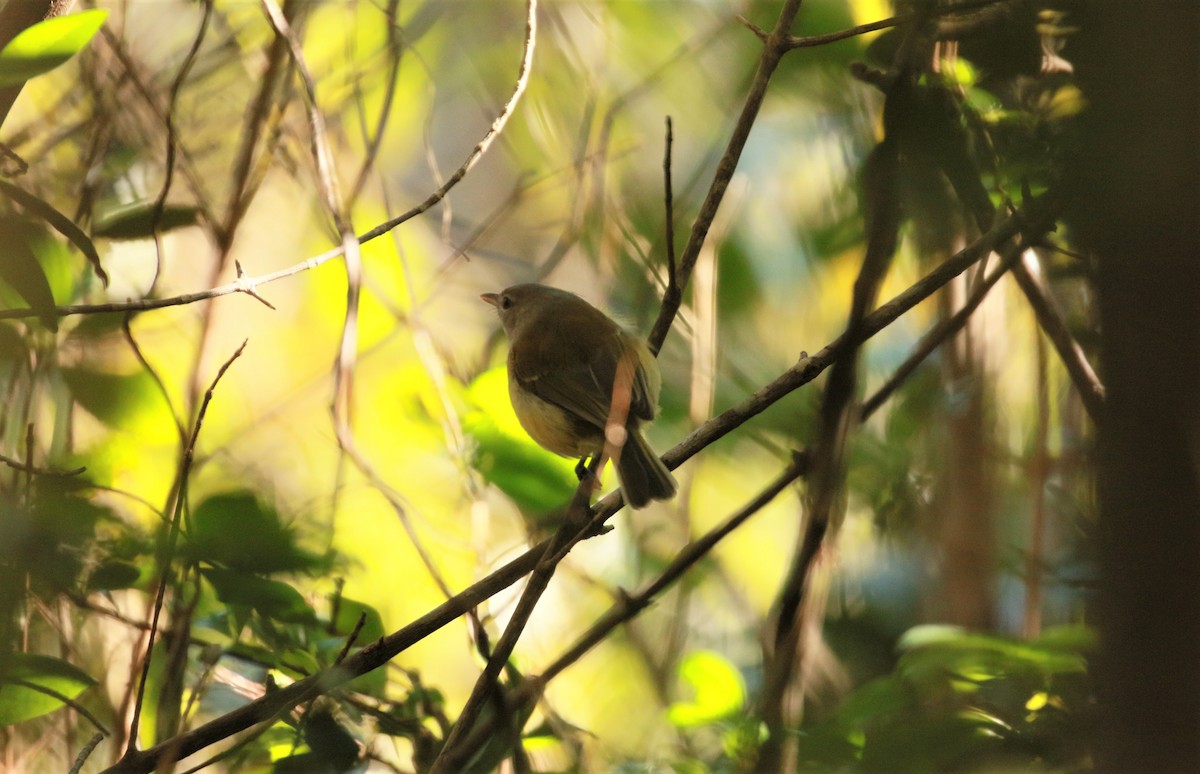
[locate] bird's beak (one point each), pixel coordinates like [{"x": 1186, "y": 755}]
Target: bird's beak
[{"x": 492, "y": 298}]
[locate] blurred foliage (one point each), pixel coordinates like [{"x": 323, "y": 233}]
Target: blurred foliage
[
  {"x": 44, "y": 46},
  {"x": 280, "y": 552},
  {"x": 954, "y": 701}
]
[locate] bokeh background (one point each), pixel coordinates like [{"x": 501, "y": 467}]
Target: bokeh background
[{"x": 947, "y": 628}]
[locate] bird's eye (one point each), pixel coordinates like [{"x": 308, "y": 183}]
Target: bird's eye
[{"x": 505, "y": 302}]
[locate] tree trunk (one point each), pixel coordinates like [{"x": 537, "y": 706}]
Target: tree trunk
[{"x": 1137, "y": 206}]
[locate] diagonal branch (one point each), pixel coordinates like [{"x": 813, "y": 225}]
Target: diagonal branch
[
  {"x": 166, "y": 555},
  {"x": 1028, "y": 275},
  {"x": 630, "y": 606}
]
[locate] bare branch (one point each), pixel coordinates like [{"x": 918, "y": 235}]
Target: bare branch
[
  {"x": 168, "y": 550},
  {"x": 669, "y": 212},
  {"x": 629, "y": 606},
  {"x": 940, "y": 332},
  {"x": 25, "y": 467},
  {"x": 1027, "y": 273},
  {"x": 951, "y": 27},
  {"x": 457, "y": 751},
  {"x": 775, "y": 46}
]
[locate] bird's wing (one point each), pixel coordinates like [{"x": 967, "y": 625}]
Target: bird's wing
[{"x": 580, "y": 383}]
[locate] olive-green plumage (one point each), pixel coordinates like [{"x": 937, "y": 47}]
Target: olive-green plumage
[{"x": 564, "y": 356}]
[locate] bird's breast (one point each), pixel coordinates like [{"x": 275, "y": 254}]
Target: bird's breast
[{"x": 550, "y": 426}]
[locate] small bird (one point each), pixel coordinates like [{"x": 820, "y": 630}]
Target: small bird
[{"x": 568, "y": 364}]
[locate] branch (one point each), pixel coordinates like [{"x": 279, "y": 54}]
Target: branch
[
  {"x": 809, "y": 41},
  {"x": 775, "y": 46},
  {"x": 943, "y": 330},
  {"x": 629, "y": 606},
  {"x": 374, "y": 141},
  {"x": 1027, "y": 273},
  {"x": 169, "y": 548},
  {"x": 25, "y": 467},
  {"x": 952, "y": 27},
  {"x": 371, "y": 657},
  {"x": 160, "y": 202},
  {"x": 455, "y": 752}
]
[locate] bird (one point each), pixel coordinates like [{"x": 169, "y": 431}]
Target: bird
[{"x": 572, "y": 374}]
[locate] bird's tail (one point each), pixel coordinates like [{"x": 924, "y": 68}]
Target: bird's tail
[{"x": 643, "y": 475}]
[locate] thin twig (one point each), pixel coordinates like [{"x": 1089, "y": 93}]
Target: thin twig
[
  {"x": 169, "y": 547},
  {"x": 1027, "y": 273},
  {"x": 25, "y": 467},
  {"x": 67, "y": 700},
  {"x": 807, "y": 41},
  {"x": 358, "y": 663},
  {"x": 941, "y": 331},
  {"x": 669, "y": 210},
  {"x": 488, "y": 138},
  {"x": 400, "y": 507},
  {"x": 391, "y": 81},
  {"x": 775, "y": 46},
  {"x": 186, "y": 164},
  {"x": 241, "y": 190},
  {"x": 154, "y": 376},
  {"x": 247, "y": 284},
  {"x": 335, "y": 207},
  {"x": 455, "y": 753},
  {"x": 160, "y": 202},
  {"x": 946, "y": 27},
  {"x": 87, "y": 749},
  {"x": 581, "y": 203}
]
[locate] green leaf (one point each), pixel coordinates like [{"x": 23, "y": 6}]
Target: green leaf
[
  {"x": 46, "y": 543},
  {"x": 1074, "y": 638},
  {"x": 137, "y": 221},
  {"x": 298, "y": 662},
  {"x": 532, "y": 477},
  {"x": 238, "y": 531},
  {"x": 333, "y": 745},
  {"x": 21, "y": 269},
  {"x": 113, "y": 575},
  {"x": 112, "y": 398},
  {"x": 20, "y": 702},
  {"x": 47, "y": 44},
  {"x": 59, "y": 222},
  {"x": 272, "y": 599},
  {"x": 717, "y": 688},
  {"x": 347, "y": 618},
  {"x": 373, "y": 683}
]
